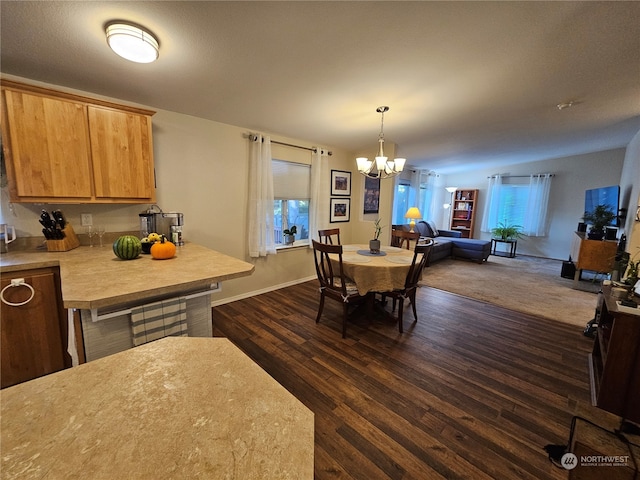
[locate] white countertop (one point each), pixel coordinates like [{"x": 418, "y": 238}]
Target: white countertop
[
  {"x": 93, "y": 277},
  {"x": 174, "y": 408}
]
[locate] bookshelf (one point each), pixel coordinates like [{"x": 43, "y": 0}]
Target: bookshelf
[{"x": 464, "y": 212}]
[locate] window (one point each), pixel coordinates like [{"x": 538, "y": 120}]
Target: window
[
  {"x": 401, "y": 202},
  {"x": 291, "y": 192},
  {"x": 414, "y": 192},
  {"x": 512, "y": 206},
  {"x": 524, "y": 204}
]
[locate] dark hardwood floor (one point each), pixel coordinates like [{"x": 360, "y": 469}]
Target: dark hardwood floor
[{"x": 469, "y": 391}]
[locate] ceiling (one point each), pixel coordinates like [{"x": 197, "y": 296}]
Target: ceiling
[{"x": 469, "y": 84}]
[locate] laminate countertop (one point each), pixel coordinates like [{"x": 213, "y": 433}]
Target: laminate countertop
[
  {"x": 174, "y": 408},
  {"x": 93, "y": 277}
]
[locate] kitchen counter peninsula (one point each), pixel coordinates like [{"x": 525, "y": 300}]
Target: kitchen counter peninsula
[
  {"x": 93, "y": 277},
  {"x": 101, "y": 291},
  {"x": 175, "y": 408}
]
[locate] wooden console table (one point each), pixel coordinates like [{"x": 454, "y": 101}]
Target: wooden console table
[
  {"x": 614, "y": 364},
  {"x": 595, "y": 255}
]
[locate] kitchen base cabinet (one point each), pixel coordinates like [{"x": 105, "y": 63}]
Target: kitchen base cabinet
[{"x": 33, "y": 335}]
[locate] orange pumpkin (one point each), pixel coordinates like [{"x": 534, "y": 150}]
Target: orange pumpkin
[{"x": 163, "y": 249}]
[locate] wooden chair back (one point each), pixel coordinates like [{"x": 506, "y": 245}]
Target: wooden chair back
[
  {"x": 325, "y": 235},
  {"x": 417, "y": 265},
  {"x": 333, "y": 283},
  {"x": 330, "y": 275},
  {"x": 402, "y": 239},
  {"x": 419, "y": 261}
]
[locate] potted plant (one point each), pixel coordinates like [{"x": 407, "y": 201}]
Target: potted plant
[
  {"x": 374, "y": 244},
  {"x": 599, "y": 218},
  {"x": 504, "y": 231},
  {"x": 631, "y": 267},
  {"x": 290, "y": 235}
]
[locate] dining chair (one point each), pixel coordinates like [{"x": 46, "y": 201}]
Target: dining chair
[
  {"x": 325, "y": 235},
  {"x": 333, "y": 283},
  {"x": 400, "y": 238},
  {"x": 419, "y": 261}
]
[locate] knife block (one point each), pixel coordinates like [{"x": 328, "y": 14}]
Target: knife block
[{"x": 69, "y": 242}]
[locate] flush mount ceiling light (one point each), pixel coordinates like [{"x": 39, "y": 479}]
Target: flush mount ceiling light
[
  {"x": 132, "y": 42},
  {"x": 382, "y": 167}
]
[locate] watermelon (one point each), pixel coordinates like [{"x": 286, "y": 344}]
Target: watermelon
[{"x": 127, "y": 247}]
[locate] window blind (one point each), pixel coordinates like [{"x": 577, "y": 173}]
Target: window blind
[{"x": 291, "y": 181}]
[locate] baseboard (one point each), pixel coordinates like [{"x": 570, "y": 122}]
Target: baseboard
[{"x": 242, "y": 296}]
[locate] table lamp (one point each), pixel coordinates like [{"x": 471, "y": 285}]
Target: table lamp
[{"x": 413, "y": 213}]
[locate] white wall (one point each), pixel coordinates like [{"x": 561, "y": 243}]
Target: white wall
[
  {"x": 201, "y": 171},
  {"x": 573, "y": 175}
]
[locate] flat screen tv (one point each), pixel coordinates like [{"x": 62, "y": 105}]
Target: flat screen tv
[{"x": 609, "y": 196}]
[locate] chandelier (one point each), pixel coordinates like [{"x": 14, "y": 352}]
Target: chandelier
[{"x": 382, "y": 167}]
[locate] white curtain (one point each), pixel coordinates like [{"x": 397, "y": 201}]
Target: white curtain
[
  {"x": 492, "y": 205},
  {"x": 261, "y": 218},
  {"x": 535, "y": 217},
  {"x": 320, "y": 190}
]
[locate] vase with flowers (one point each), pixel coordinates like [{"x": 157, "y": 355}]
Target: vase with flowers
[{"x": 374, "y": 244}]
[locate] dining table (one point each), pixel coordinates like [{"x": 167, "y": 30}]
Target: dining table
[{"x": 376, "y": 272}]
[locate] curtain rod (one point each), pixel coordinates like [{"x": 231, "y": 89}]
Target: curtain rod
[
  {"x": 523, "y": 176},
  {"x": 254, "y": 138}
]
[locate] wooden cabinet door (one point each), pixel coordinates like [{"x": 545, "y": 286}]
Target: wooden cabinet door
[
  {"x": 33, "y": 339},
  {"x": 49, "y": 146},
  {"x": 121, "y": 150}
]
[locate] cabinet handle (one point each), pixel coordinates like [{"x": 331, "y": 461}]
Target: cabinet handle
[{"x": 17, "y": 282}]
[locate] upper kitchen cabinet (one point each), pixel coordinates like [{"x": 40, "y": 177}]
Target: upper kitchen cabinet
[{"x": 64, "y": 148}]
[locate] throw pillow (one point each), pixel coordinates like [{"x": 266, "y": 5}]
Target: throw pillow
[{"x": 434, "y": 229}]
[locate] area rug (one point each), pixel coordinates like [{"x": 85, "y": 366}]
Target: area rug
[{"x": 525, "y": 284}]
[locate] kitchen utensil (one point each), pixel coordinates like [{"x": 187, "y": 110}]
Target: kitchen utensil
[
  {"x": 53, "y": 226},
  {"x": 59, "y": 218}
]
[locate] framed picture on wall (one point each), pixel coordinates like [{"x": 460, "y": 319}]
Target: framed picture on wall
[
  {"x": 340, "y": 182},
  {"x": 371, "y": 195},
  {"x": 340, "y": 210}
]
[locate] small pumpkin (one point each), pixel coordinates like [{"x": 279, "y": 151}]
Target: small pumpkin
[{"x": 163, "y": 249}]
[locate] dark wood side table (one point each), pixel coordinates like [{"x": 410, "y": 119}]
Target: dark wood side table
[{"x": 513, "y": 244}]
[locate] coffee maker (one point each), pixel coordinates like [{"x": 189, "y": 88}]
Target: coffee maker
[
  {"x": 174, "y": 221},
  {"x": 168, "y": 224}
]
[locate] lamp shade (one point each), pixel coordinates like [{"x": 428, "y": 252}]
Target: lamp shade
[
  {"x": 413, "y": 213},
  {"x": 132, "y": 42}
]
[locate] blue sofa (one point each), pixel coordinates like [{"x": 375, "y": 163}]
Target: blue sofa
[{"x": 449, "y": 243}]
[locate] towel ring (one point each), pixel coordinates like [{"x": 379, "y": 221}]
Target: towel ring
[{"x": 17, "y": 282}]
